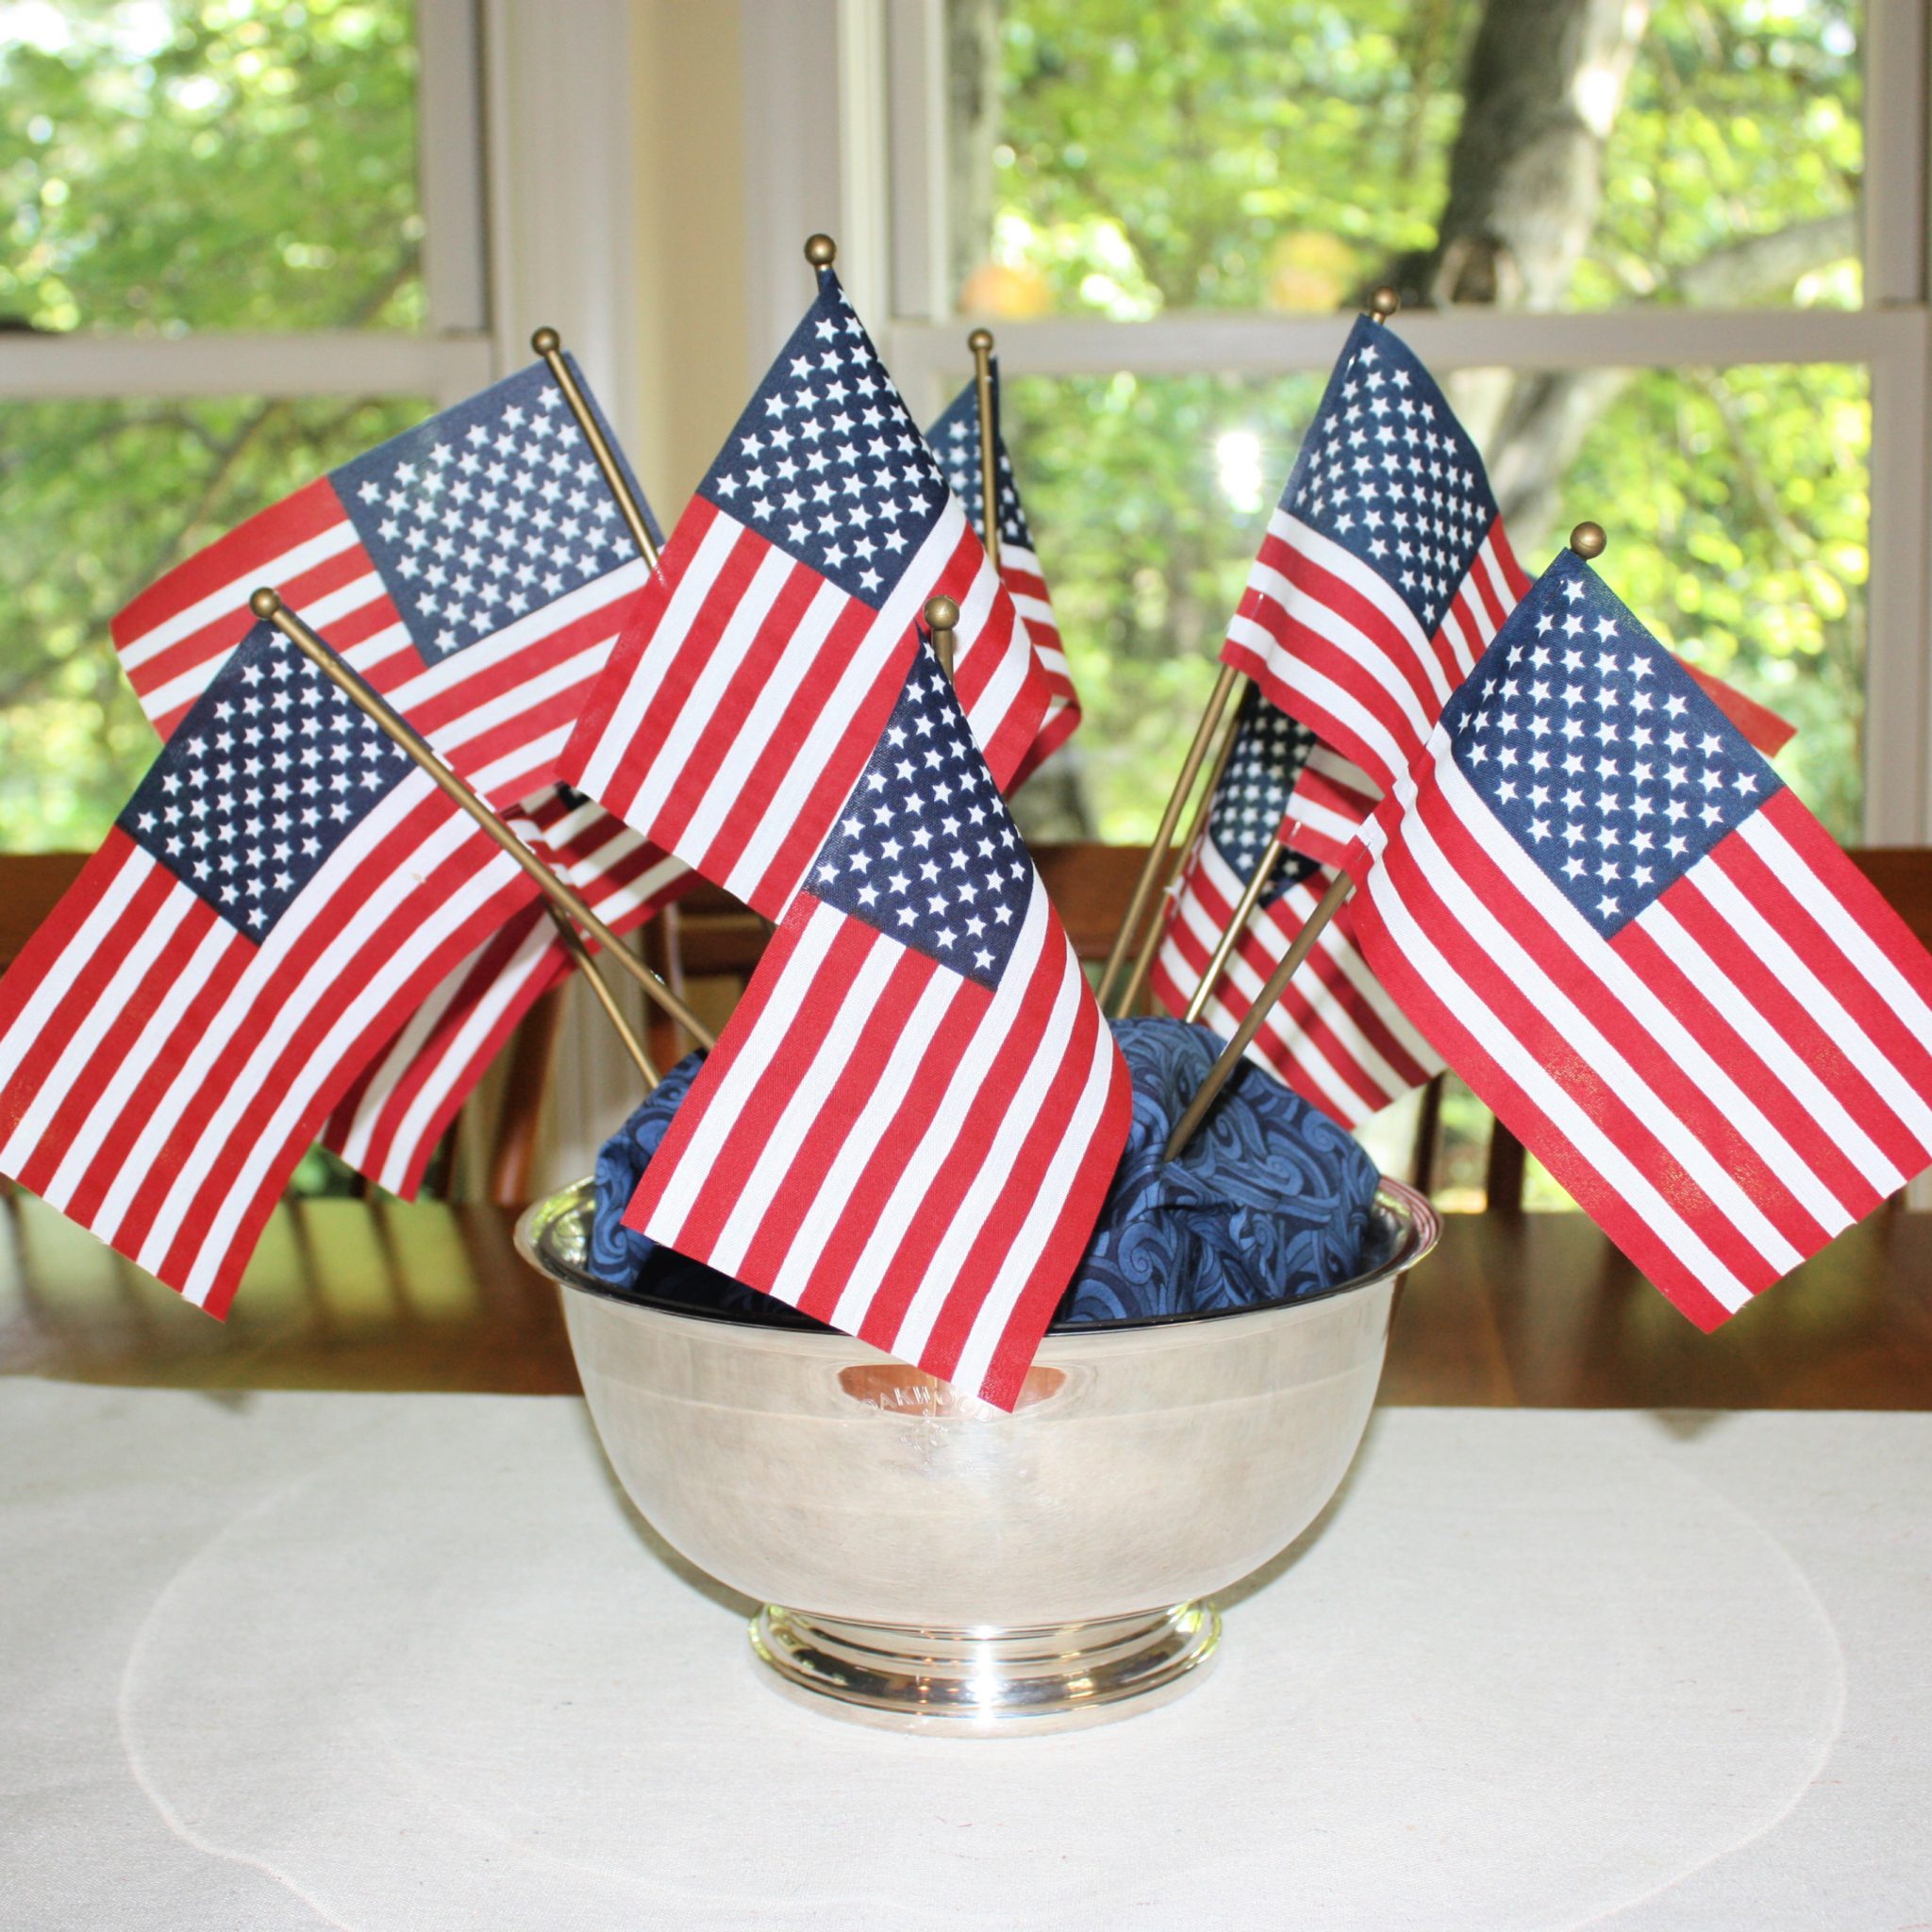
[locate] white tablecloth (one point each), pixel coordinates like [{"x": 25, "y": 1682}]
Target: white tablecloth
[{"x": 409, "y": 1662}]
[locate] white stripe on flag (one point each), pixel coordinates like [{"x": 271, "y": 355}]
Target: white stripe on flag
[
  {"x": 1548, "y": 1095},
  {"x": 1627, "y": 988},
  {"x": 486, "y": 654},
  {"x": 1782, "y": 959},
  {"x": 860, "y": 1140},
  {"x": 1795, "y": 875},
  {"x": 686, "y": 603},
  {"x": 1069, "y": 1150},
  {"x": 136, "y": 1170},
  {"x": 753, "y": 1057},
  {"x": 1526, "y": 973},
  {"x": 233, "y": 597},
  {"x": 1783, "y": 1059},
  {"x": 955, "y": 1110},
  {"x": 815, "y": 750},
  {"x": 101, "y": 1014},
  {"x": 799, "y": 1113},
  {"x": 1320, "y": 691},
  {"x": 92, "y": 937},
  {"x": 297, "y": 1087}
]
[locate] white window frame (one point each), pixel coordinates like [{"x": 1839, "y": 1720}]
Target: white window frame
[{"x": 875, "y": 170}]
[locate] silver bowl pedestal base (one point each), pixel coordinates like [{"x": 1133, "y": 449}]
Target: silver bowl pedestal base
[{"x": 987, "y": 1682}]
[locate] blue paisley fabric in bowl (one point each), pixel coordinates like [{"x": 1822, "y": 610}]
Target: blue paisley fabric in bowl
[{"x": 1270, "y": 1201}]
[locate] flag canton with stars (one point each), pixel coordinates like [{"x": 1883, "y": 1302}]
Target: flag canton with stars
[
  {"x": 925, "y": 850},
  {"x": 955, "y": 440},
  {"x": 1269, "y": 750},
  {"x": 1598, "y": 750},
  {"x": 265, "y": 777},
  {"x": 826, "y": 463},
  {"x": 1388, "y": 473},
  {"x": 490, "y": 510}
]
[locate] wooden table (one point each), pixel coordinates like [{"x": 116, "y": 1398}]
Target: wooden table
[{"x": 1536, "y": 1310}]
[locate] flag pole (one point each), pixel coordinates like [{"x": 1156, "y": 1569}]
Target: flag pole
[
  {"x": 943, "y": 620},
  {"x": 1251, "y": 895},
  {"x": 980, "y": 342},
  {"x": 585, "y": 962},
  {"x": 1153, "y": 872},
  {"x": 549, "y": 346},
  {"x": 1232, "y": 1053},
  {"x": 1178, "y": 860},
  {"x": 267, "y": 605}
]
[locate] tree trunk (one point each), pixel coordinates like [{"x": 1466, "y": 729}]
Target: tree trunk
[{"x": 1547, "y": 78}]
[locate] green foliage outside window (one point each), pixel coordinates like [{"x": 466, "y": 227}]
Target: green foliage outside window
[
  {"x": 1288, "y": 154},
  {"x": 204, "y": 164}
]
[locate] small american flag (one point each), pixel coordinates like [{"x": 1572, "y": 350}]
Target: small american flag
[
  {"x": 910, "y": 1122},
  {"x": 389, "y": 1122},
  {"x": 1334, "y": 1035},
  {"x": 1646, "y": 957},
  {"x": 279, "y": 894},
  {"x": 955, "y": 440},
  {"x": 475, "y": 570},
  {"x": 764, "y": 656},
  {"x": 1384, "y": 570}
]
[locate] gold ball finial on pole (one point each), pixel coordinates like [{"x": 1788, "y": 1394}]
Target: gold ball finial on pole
[
  {"x": 821, "y": 251},
  {"x": 1384, "y": 302},
  {"x": 981, "y": 339},
  {"x": 942, "y": 617},
  {"x": 546, "y": 342},
  {"x": 265, "y": 603},
  {"x": 1588, "y": 541}
]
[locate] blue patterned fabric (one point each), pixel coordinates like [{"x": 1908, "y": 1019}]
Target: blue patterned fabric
[
  {"x": 628, "y": 1260},
  {"x": 1269, "y": 1202}
]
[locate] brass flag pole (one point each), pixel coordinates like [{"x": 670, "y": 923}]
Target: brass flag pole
[
  {"x": 1232, "y": 1053},
  {"x": 585, "y": 962},
  {"x": 549, "y": 346},
  {"x": 1586, "y": 540},
  {"x": 1178, "y": 861},
  {"x": 267, "y": 605},
  {"x": 980, "y": 342},
  {"x": 1153, "y": 871},
  {"x": 1251, "y": 895},
  {"x": 943, "y": 620}
]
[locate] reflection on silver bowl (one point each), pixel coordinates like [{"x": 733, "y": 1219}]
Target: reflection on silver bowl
[{"x": 947, "y": 1567}]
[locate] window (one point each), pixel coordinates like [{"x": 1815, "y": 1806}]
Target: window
[
  {"x": 229, "y": 266},
  {"x": 1691, "y": 308}
]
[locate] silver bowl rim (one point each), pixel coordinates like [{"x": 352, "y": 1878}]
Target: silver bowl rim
[{"x": 1416, "y": 1225}]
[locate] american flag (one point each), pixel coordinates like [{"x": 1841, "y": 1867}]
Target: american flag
[
  {"x": 1334, "y": 1035},
  {"x": 763, "y": 658},
  {"x": 1646, "y": 957},
  {"x": 1384, "y": 570},
  {"x": 389, "y": 1122},
  {"x": 955, "y": 440},
  {"x": 475, "y": 570},
  {"x": 282, "y": 890},
  {"x": 910, "y": 1122}
]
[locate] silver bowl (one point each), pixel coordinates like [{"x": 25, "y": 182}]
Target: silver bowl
[{"x": 929, "y": 1562}]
